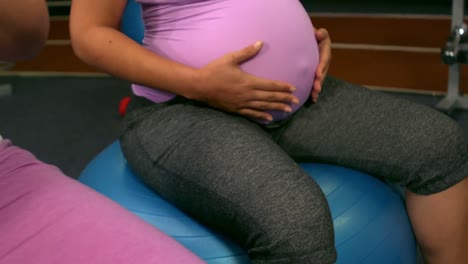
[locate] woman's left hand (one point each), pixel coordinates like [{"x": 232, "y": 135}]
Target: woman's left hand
[{"x": 324, "y": 45}]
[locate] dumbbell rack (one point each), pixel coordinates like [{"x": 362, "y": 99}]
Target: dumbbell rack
[{"x": 454, "y": 55}]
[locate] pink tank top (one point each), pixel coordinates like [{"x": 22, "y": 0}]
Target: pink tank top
[{"x": 195, "y": 32}]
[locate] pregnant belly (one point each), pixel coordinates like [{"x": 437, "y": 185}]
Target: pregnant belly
[{"x": 197, "y": 33}]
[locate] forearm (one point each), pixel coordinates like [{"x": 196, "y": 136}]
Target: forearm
[
  {"x": 114, "y": 53},
  {"x": 24, "y": 28}
]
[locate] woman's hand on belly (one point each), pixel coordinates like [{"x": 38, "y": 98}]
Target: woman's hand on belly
[
  {"x": 223, "y": 85},
  {"x": 324, "y": 44}
]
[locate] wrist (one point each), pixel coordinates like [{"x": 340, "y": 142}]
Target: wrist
[{"x": 195, "y": 85}]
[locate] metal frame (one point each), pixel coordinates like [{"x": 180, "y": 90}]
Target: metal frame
[{"x": 454, "y": 99}]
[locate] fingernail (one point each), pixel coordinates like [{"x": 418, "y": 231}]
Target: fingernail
[
  {"x": 292, "y": 88},
  {"x": 269, "y": 118},
  {"x": 258, "y": 44},
  {"x": 288, "y": 109},
  {"x": 295, "y": 100}
]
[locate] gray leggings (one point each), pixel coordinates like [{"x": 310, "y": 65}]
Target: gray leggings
[{"x": 243, "y": 180}]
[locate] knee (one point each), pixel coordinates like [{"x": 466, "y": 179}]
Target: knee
[
  {"x": 441, "y": 158},
  {"x": 297, "y": 231},
  {"x": 442, "y": 142}
]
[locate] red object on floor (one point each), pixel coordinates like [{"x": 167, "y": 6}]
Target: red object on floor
[{"x": 123, "y": 105}]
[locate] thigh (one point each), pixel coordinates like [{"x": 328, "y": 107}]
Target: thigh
[
  {"x": 388, "y": 137},
  {"x": 228, "y": 173}
]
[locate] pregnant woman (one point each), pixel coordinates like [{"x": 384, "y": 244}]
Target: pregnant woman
[{"x": 225, "y": 106}]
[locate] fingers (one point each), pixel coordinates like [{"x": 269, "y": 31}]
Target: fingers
[
  {"x": 258, "y": 95},
  {"x": 246, "y": 53},
  {"x": 318, "y": 85},
  {"x": 322, "y": 70},
  {"x": 324, "y": 58},
  {"x": 262, "y": 84},
  {"x": 316, "y": 91},
  {"x": 258, "y": 109},
  {"x": 321, "y": 34},
  {"x": 324, "y": 44},
  {"x": 319, "y": 79},
  {"x": 268, "y": 106},
  {"x": 255, "y": 114},
  {"x": 321, "y": 73},
  {"x": 267, "y": 101},
  {"x": 267, "y": 96}
]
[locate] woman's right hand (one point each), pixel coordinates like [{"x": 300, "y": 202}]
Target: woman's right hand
[{"x": 223, "y": 85}]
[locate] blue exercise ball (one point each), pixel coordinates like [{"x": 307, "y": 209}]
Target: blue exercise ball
[
  {"x": 132, "y": 21},
  {"x": 370, "y": 221}
]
